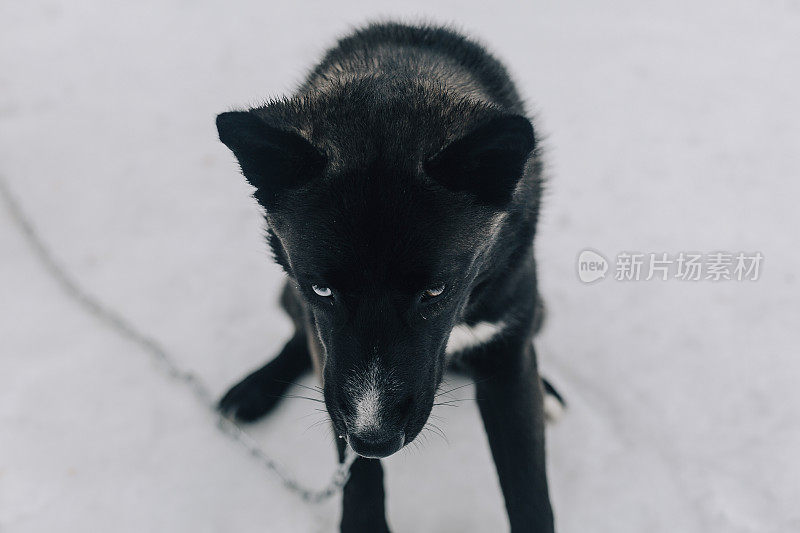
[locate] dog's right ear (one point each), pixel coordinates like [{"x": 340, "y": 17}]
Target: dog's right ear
[{"x": 271, "y": 159}]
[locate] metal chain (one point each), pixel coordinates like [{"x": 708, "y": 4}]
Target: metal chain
[{"x": 124, "y": 328}]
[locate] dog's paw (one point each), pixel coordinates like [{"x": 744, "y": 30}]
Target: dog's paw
[
  {"x": 251, "y": 398},
  {"x": 362, "y": 526}
]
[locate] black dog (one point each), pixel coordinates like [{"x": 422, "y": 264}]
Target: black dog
[{"x": 401, "y": 187}]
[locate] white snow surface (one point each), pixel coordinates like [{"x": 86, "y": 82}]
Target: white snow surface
[{"x": 669, "y": 126}]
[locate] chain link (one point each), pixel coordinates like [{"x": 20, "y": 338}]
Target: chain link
[{"x": 124, "y": 328}]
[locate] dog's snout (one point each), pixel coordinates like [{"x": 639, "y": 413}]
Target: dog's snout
[
  {"x": 376, "y": 444},
  {"x": 377, "y": 411}
]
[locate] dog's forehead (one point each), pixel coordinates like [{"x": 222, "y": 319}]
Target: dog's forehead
[{"x": 374, "y": 228}]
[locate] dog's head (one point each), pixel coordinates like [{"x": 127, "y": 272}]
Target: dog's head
[{"x": 383, "y": 218}]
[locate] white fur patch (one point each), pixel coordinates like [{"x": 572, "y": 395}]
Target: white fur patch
[
  {"x": 553, "y": 409},
  {"x": 368, "y": 399},
  {"x": 464, "y": 337}
]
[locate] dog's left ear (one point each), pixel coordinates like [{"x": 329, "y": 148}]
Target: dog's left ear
[
  {"x": 488, "y": 162},
  {"x": 272, "y": 159}
]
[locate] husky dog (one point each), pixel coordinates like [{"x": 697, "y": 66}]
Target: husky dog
[{"x": 401, "y": 186}]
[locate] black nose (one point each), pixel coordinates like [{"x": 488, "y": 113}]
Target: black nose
[{"x": 376, "y": 445}]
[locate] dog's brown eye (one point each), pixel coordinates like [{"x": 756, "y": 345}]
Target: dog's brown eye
[{"x": 433, "y": 292}]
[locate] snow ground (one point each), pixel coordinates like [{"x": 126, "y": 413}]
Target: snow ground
[{"x": 671, "y": 126}]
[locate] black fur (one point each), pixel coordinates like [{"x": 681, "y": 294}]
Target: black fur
[{"x": 402, "y": 165}]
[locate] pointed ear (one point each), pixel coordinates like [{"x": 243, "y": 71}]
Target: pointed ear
[
  {"x": 488, "y": 162},
  {"x": 272, "y": 159}
]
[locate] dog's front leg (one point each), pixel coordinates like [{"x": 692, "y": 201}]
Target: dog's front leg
[
  {"x": 510, "y": 402},
  {"x": 363, "y": 508}
]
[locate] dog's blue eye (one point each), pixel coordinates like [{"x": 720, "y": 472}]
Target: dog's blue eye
[
  {"x": 322, "y": 291},
  {"x": 433, "y": 292}
]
